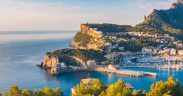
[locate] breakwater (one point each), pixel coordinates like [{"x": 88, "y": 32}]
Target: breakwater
[{"x": 125, "y": 72}]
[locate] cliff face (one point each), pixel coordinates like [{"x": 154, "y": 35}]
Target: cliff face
[
  {"x": 50, "y": 61},
  {"x": 88, "y": 38},
  {"x": 70, "y": 58}
]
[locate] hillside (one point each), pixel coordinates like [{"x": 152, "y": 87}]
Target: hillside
[
  {"x": 163, "y": 21},
  {"x": 92, "y": 36}
]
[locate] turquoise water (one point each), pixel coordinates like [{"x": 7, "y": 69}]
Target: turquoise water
[{"x": 21, "y": 51}]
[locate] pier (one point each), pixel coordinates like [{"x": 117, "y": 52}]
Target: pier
[{"x": 125, "y": 72}]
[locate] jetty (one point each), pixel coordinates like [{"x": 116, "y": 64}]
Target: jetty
[{"x": 125, "y": 72}]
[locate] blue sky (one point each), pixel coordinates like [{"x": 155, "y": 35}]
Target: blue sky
[{"x": 69, "y": 14}]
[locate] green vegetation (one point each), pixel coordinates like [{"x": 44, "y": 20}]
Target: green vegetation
[
  {"x": 15, "y": 91},
  {"x": 108, "y": 28},
  {"x": 137, "y": 44},
  {"x": 118, "y": 89},
  {"x": 84, "y": 55},
  {"x": 161, "y": 88},
  {"x": 163, "y": 21},
  {"x": 170, "y": 87},
  {"x": 83, "y": 39},
  {"x": 93, "y": 89}
]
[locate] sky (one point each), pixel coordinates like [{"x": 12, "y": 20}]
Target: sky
[{"x": 20, "y": 15}]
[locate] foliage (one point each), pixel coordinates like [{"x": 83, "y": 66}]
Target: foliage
[
  {"x": 83, "y": 39},
  {"x": 118, "y": 89},
  {"x": 163, "y": 21},
  {"x": 109, "y": 28},
  {"x": 15, "y": 91},
  {"x": 27, "y": 92},
  {"x": 139, "y": 93},
  {"x": 170, "y": 87},
  {"x": 84, "y": 55},
  {"x": 93, "y": 89}
]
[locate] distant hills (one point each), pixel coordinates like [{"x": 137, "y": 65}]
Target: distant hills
[{"x": 161, "y": 21}]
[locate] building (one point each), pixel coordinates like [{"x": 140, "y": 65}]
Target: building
[
  {"x": 173, "y": 51},
  {"x": 61, "y": 65},
  {"x": 180, "y": 52},
  {"x": 111, "y": 67},
  {"x": 91, "y": 63},
  {"x": 147, "y": 49}
]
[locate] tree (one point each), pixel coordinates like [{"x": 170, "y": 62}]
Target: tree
[
  {"x": 47, "y": 91},
  {"x": 170, "y": 87},
  {"x": 92, "y": 89},
  {"x": 27, "y": 92},
  {"x": 118, "y": 89},
  {"x": 14, "y": 91},
  {"x": 39, "y": 93},
  {"x": 4, "y": 94},
  {"x": 57, "y": 92},
  {"x": 139, "y": 93}
]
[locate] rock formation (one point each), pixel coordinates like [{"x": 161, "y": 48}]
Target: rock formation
[{"x": 88, "y": 38}]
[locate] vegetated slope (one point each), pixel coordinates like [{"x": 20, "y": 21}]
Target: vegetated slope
[{"x": 163, "y": 21}]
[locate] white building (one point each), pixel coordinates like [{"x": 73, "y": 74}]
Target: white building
[
  {"x": 111, "y": 67},
  {"x": 61, "y": 65},
  {"x": 91, "y": 63},
  {"x": 173, "y": 51},
  {"x": 180, "y": 52},
  {"x": 147, "y": 50}
]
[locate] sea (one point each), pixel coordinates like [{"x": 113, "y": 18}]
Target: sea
[{"x": 21, "y": 51}]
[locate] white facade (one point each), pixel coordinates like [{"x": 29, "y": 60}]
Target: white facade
[
  {"x": 147, "y": 50},
  {"x": 91, "y": 63},
  {"x": 180, "y": 52},
  {"x": 173, "y": 51}
]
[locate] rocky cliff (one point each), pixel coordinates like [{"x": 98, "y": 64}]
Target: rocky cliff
[
  {"x": 92, "y": 36},
  {"x": 88, "y": 38},
  {"x": 63, "y": 60}
]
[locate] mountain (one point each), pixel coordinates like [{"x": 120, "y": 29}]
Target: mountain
[
  {"x": 163, "y": 21},
  {"x": 169, "y": 21}
]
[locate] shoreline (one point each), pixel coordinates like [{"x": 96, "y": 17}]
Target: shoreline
[{"x": 102, "y": 69}]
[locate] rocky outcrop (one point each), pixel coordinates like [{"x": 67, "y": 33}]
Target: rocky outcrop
[
  {"x": 68, "y": 60},
  {"x": 49, "y": 61},
  {"x": 88, "y": 38},
  {"x": 61, "y": 63}
]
